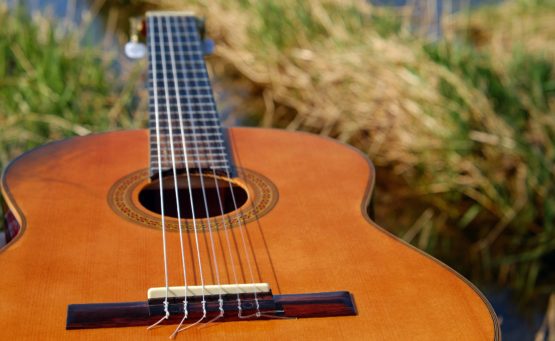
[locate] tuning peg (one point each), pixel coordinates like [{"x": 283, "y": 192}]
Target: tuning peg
[
  {"x": 208, "y": 46},
  {"x": 135, "y": 49}
]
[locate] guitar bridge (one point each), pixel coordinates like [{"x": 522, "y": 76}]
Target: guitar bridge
[
  {"x": 239, "y": 302},
  {"x": 244, "y": 298}
]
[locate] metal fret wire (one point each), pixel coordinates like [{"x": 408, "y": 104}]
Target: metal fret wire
[
  {"x": 197, "y": 152},
  {"x": 176, "y": 187},
  {"x": 199, "y": 96},
  {"x": 195, "y": 101},
  {"x": 240, "y": 220}
]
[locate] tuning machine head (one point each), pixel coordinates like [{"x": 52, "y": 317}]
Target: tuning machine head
[
  {"x": 207, "y": 44},
  {"x": 134, "y": 49}
]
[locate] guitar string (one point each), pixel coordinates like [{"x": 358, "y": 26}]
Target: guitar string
[
  {"x": 195, "y": 227},
  {"x": 196, "y": 141},
  {"x": 174, "y": 167},
  {"x": 157, "y": 120},
  {"x": 241, "y": 226},
  {"x": 242, "y": 229},
  {"x": 265, "y": 313},
  {"x": 240, "y": 220},
  {"x": 196, "y": 152},
  {"x": 198, "y": 161},
  {"x": 199, "y": 54}
]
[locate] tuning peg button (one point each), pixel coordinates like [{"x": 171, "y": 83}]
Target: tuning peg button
[
  {"x": 135, "y": 50},
  {"x": 208, "y": 46}
]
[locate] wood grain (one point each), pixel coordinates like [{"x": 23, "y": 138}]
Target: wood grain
[
  {"x": 125, "y": 314},
  {"x": 75, "y": 249}
]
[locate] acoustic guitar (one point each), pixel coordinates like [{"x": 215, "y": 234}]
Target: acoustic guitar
[{"x": 194, "y": 231}]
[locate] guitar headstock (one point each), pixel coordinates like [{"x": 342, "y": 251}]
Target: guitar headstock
[{"x": 136, "y": 49}]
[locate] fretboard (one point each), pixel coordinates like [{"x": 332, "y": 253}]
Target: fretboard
[{"x": 185, "y": 128}]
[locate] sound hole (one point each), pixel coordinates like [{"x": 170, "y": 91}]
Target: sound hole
[{"x": 149, "y": 196}]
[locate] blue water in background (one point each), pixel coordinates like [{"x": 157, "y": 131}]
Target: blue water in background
[
  {"x": 421, "y": 7},
  {"x": 515, "y": 325},
  {"x": 456, "y": 3}
]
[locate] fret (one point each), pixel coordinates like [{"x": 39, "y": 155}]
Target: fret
[
  {"x": 202, "y": 166},
  {"x": 190, "y": 121},
  {"x": 196, "y": 110},
  {"x": 201, "y": 80},
  {"x": 178, "y": 139},
  {"x": 196, "y": 64},
  {"x": 179, "y": 89},
  {"x": 191, "y": 161},
  {"x": 194, "y": 157},
  {"x": 183, "y": 87},
  {"x": 190, "y": 100},
  {"x": 199, "y": 122},
  {"x": 220, "y": 148},
  {"x": 169, "y": 163},
  {"x": 196, "y": 120},
  {"x": 208, "y": 148},
  {"x": 210, "y": 164},
  {"x": 202, "y": 140},
  {"x": 206, "y": 139},
  {"x": 190, "y": 46},
  {"x": 183, "y": 75},
  {"x": 193, "y": 90},
  {"x": 200, "y": 87},
  {"x": 185, "y": 131},
  {"x": 180, "y": 95},
  {"x": 177, "y": 129},
  {"x": 195, "y": 98},
  {"x": 193, "y": 63},
  {"x": 181, "y": 83},
  {"x": 194, "y": 116},
  {"x": 189, "y": 55},
  {"x": 201, "y": 135},
  {"x": 183, "y": 79},
  {"x": 193, "y": 107}
]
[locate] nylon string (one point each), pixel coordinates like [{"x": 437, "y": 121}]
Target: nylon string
[
  {"x": 240, "y": 219},
  {"x": 156, "y": 114},
  {"x": 174, "y": 167},
  {"x": 170, "y": 128},
  {"x": 196, "y": 142},
  {"x": 213, "y": 165},
  {"x": 226, "y": 227}
]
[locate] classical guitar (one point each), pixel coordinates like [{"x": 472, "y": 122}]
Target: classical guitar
[{"x": 191, "y": 230}]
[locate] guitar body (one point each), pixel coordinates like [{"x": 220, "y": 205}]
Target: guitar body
[{"x": 74, "y": 247}]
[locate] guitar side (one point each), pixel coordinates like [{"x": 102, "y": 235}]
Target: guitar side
[{"x": 73, "y": 248}]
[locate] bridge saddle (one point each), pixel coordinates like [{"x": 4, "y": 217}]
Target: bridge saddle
[{"x": 208, "y": 290}]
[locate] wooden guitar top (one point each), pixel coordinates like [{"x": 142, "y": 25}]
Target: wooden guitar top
[{"x": 75, "y": 248}]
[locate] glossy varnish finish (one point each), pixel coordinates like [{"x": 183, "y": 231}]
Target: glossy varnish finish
[
  {"x": 75, "y": 249},
  {"x": 125, "y": 314}
]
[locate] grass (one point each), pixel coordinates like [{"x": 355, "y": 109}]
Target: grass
[{"x": 52, "y": 86}]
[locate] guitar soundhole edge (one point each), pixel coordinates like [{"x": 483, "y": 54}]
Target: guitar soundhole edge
[
  {"x": 134, "y": 198},
  {"x": 208, "y": 200}
]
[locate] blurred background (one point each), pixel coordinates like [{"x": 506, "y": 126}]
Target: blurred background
[{"x": 452, "y": 100}]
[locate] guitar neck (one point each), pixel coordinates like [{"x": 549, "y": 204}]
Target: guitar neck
[{"x": 185, "y": 128}]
